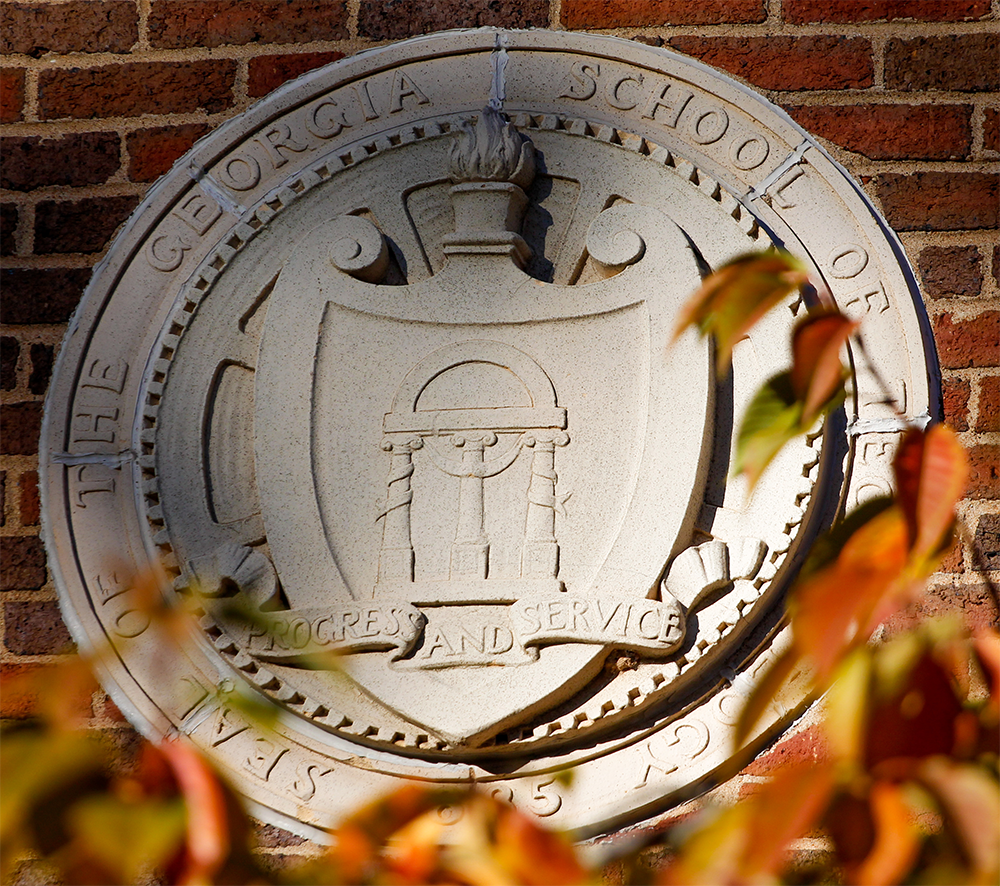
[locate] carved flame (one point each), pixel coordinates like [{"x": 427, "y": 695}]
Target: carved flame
[{"x": 493, "y": 151}]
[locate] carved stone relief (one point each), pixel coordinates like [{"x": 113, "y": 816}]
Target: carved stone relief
[{"x": 386, "y": 368}]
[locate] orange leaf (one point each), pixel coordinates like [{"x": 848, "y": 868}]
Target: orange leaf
[
  {"x": 931, "y": 474},
  {"x": 535, "y": 856},
  {"x": 833, "y": 608},
  {"x": 737, "y": 295},
  {"x": 817, "y": 374},
  {"x": 786, "y": 809},
  {"x": 896, "y": 839},
  {"x": 207, "y": 840}
]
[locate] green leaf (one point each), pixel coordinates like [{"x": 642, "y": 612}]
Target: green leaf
[
  {"x": 773, "y": 418},
  {"x": 846, "y": 705},
  {"x": 129, "y": 838},
  {"x": 970, "y": 798}
]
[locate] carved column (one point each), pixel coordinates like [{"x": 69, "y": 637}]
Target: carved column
[
  {"x": 395, "y": 559},
  {"x": 470, "y": 551},
  {"x": 540, "y": 555}
]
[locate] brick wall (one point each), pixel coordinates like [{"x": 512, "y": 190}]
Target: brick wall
[{"x": 99, "y": 97}]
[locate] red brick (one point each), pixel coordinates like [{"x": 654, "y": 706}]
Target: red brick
[
  {"x": 30, "y": 503},
  {"x": 42, "y": 358},
  {"x": 996, "y": 264},
  {"x": 958, "y": 62},
  {"x": 991, "y": 129},
  {"x": 80, "y": 158},
  {"x": 892, "y": 132},
  {"x": 79, "y": 225},
  {"x": 580, "y": 14},
  {"x": 407, "y": 18},
  {"x": 40, "y": 295},
  {"x": 851, "y": 11},
  {"x": 270, "y": 837},
  {"x": 3, "y": 499},
  {"x": 138, "y": 88},
  {"x": 792, "y": 63},
  {"x": 268, "y": 72},
  {"x": 984, "y": 478},
  {"x": 10, "y": 350},
  {"x": 8, "y": 228},
  {"x": 11, "y": 94},
  {"x": 987, "y": 540},
  {"x": 972, "y": 342},
  {"x": 940, "y": 201},
  {"x": 112, "y": 712},
  {"x": 178, "y": 23},
  {"x": 153, "y": 151},
  {"x": 19, "y": 690},
  {"x": 35, "y": 627},
  {"x": 808, "y": 745},
  {"x": 953, "y": 562},
  {"x": 83, "y": 26},
  {"x": 971, "y": 602},
  {"x": 949, "y": 271},
  {"x": 22, "y": 423},
  {"x": 23, "y": 567},
  {"x": 988, "y": 419},
  {"x": 956, "y": 393}
]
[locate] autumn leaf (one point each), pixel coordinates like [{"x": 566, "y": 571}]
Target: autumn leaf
[
  {"x": 771, "y": 419},
  {"x": 897, "y": 840},
  {"x": 737, "y": 295},
  {"x": 817, "y": 374},
  {"x": 931, "y": 471},
  {"x": 839, "y": 605},
  {"x": 788, "y": 404},
  {"x": 970, "y": 799}
]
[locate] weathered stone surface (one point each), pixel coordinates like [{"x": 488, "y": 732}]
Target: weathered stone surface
[{"x": 420, "y": 350}]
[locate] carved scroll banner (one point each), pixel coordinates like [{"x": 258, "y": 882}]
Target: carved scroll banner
[{"x": 378, "y": 382}]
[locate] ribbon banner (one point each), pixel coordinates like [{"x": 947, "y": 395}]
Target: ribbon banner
[{"x": 294, "y": 636}]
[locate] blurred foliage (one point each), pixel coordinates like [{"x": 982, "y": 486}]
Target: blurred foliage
[{"x": 908, "y": 790}]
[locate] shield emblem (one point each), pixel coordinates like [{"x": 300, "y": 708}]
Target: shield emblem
[{"x": 473, "y": 484}]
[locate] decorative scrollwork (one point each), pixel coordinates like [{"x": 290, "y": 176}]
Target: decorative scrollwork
[{"x": 358, "y": 248}]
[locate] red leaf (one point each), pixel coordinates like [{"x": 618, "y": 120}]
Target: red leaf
[
  {"x": 917, "y": 719},
  {"x": 817, "y": 374},
  {"x": 931, "y": 474},
  {"x": 207, "y": 841}
]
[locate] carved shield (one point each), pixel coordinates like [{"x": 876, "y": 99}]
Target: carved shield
[{"x": 473, "y": 457}]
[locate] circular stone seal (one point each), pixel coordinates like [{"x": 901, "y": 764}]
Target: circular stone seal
[{"x": 378, "y": 381}]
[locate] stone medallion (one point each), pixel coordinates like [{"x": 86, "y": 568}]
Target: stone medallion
[{"x": 379, "y": 379}]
